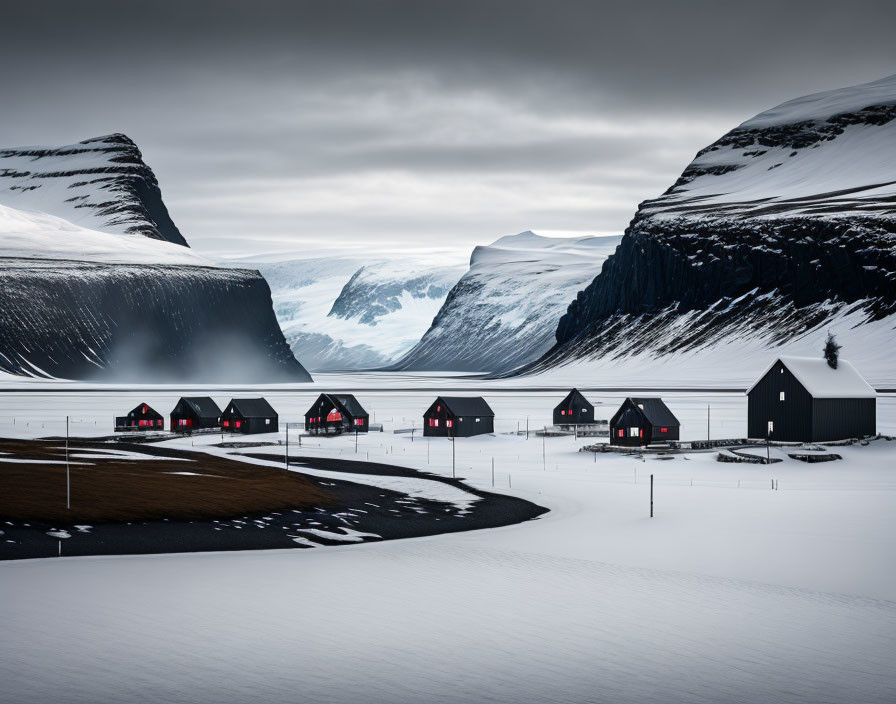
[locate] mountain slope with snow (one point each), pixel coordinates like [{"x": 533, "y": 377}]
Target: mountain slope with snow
[
  {"x": 783, "y": 226},
  {"x": 96, "y": 282},
  {"x": 101, "y": 184},
  {"x": 349, "y": 313},
  {"x": 504, "y": 310}
]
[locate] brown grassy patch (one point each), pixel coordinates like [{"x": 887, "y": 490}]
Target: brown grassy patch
[{"x": 122, "y": 490}]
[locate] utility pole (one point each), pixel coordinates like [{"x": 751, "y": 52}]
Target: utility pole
[
  {"x": 544, "y": 461},
  {"x": 527, "y": 427},
  {"x": 68, "y": 478},
  {"x": 287, "y": 445},
  {"x": 707, "y": 422},
  {"x": 453, "y": 474},
  {"x": 493, "y": 471},
  {"x": 651, "y": 496},
  {"x": 356, "y": 439}
]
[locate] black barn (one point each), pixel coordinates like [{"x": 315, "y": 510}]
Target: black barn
[
  {"x": 249, "y": 416},
  {"x": 336, "y": 413},
  {"x": 803, "y": 399},
  {"x": 458, "y": 417},
  {"x": 573, "y": 410},
  {"x": 643, "y": 421},
  {"x": 143, "y": 417},
  {"x": 195, "y": 412}
]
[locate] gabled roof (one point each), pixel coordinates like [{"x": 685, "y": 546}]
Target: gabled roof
[
  {"x": 346, "y": 403},
  {"x": 656, "y": 412},
  {"x": 821, "y": 381},
  {"x": 350, "y": 403},
  {"x": 253, "y": 407},
  {"x": 203, "y": 406},
  {"x": 138, "y": 410},
  {"x": 574, "y": 398},
  {"x": 467, "y": 405}
]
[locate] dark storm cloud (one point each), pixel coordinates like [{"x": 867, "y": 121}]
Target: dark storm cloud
[{"x": 418, "y": 120}]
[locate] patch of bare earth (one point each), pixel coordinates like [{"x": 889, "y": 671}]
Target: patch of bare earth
[{"x": 106, "y": 490}]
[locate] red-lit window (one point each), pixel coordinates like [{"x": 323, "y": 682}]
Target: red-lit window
[
  {"x": 144, "y": 410},
  {"x": 562, "y": 413},
  {"x": 641, "y": 433},
  {"x": 449, "y": 423},
  {"x": 334, "y": 416},
  {"x": 664, "y": 430},
  {"x": 435, "y": 422},
  {"x": 621, "y": 433},
  {"x": 158, "y": 422},
  {"x": 359, "y": 421},
  {"x": 238, "y": 423},
  {"x": 438, "y": 408}
]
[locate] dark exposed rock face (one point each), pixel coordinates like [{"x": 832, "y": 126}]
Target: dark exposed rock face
[
  {"x": 140, "y": 323},
  {"x": 693, "y": 266},
  {"x": 770, "y": 231},
  {"x": 105, "y": 177}
]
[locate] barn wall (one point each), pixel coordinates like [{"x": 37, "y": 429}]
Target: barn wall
[
  {"x": 469, "y": 427},
  {"x": 842, "y": 418},
  {"x": 792, "y": 417},
  {"x": 576, "y": 417}
]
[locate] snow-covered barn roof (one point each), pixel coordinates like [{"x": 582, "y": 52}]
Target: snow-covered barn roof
[{"x": 821, "y": 381}]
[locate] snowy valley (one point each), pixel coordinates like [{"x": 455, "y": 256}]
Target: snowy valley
[{"x": 353, "y": 313}]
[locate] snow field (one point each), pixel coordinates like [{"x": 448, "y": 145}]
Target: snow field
[{"x": 733, "y": 592}]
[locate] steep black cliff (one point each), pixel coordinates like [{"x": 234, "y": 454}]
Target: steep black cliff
[{"x": 140, "y": 323}]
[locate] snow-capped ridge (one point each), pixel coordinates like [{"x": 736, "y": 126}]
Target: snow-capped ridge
[
  {"x": 100, "y": 183},
  {"x": 827, "y": 104}
]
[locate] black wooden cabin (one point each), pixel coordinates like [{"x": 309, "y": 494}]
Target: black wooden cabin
[
  {"x": 336, "y": 414},
  {"x": 574, "y": 410},
  {"x": 458, "y": 417},
  {"x": 249, "y": 416},
  {"x": 803, "y": 399},
  {"x": 643, "y": 421},
  {"x": 143, "y": 417},
  {"x": 194, "y": 413}
]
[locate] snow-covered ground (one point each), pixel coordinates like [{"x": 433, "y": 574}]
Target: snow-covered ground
[{"x": 733, "y": 592}]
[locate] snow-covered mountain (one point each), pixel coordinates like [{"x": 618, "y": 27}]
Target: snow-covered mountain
[
  {"x": 349, "y": 313},
  {"x": 100, "y": 184},
  {"x": 504, "y": 310},
  {"x": 97, "y": 282},
  {"x": 780, "y": 229}
]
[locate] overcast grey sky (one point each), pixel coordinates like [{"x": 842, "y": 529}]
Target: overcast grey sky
[{"x": 280, "y": 125}]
